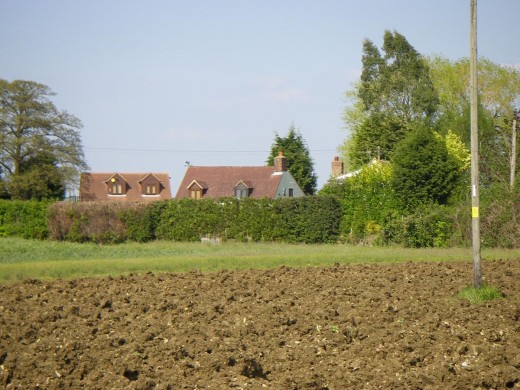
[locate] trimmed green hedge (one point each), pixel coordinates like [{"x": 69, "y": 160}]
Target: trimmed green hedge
[
  {"x": 26, "y": 219},
  {"x": 312, "y": 219}
]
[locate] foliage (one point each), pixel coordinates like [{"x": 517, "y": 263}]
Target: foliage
[
  {"x": 423, "y": 170},
  {"x": 99, "y": 222},
  {"x": 26, "y": 219},
  {"x": 430, "y": 226},
  {"x": 499, "y": 98},
  {"x": 299, "y": 161},
  {"x": 366, "y": 198},
  {"x": 500, "y": 217},
  {"x": 40, "y": 178},
  {"x": 31, "y": 126},
  {"x": 479, "y": 295},
  {"x": 395, "y": 91},
  {"x": 293, "y": 220},
  {"x": 190, "y": 220}
]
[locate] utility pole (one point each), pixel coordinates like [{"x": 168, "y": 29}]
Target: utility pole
[
  {"x": 513, "y": 153},
  {"x": 475, "y": 199}
]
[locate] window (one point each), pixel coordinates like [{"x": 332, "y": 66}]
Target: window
[
  {"x": 116, "y": 188},
  {"x": 241, "y": 193},
  {"x": 242, "y": 189},
  {"x": 116, "y": 185},
  {"x": 291, "y": 192},
  {"x": 151, "y": 189},
  {"x": 196, "y": 194}
]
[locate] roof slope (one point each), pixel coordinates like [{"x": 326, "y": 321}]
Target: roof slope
[
  {"x": 93, "y": 187},
  {"x": 221, "y": 181}
]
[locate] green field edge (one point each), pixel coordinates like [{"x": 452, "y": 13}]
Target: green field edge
[{"x": 26, "y": 259}]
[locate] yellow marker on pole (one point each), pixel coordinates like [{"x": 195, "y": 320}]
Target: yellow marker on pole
[{"x": 474, "y": 212}]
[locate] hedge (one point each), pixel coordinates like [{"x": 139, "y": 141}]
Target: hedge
[
  {"x": 26, "y": 219},
  {"x": 312, "y": 219}
]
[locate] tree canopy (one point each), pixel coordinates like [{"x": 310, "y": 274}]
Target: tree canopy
[
  {"x": 499, "y": 100},
  {"x": 394, "y": 93},
  {"x": 36, "y": 136},
  {"x": 299, "y": 161}
]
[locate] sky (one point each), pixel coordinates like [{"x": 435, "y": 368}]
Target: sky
[{"x": 161, "y": 83}]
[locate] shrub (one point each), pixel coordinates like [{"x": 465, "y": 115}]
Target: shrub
[
  {"x": 367, "y": 200},
  {"x": 500, "y": 217},
  {"x": 428, "y": 226},
  {"x": 26, "y": 219},
  {"x": 294, "y": 220},
  {"x": 190, "y": 220},
  {"x": 424, "y": 172},
  {"x": 100, "y": 222}
]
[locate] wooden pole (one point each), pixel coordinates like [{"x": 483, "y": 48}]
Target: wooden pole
[
  {"x": 475, "y": 199},
  {"x": 513, "y": 154}
]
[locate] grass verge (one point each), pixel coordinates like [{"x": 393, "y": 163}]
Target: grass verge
[{"x": 23, "y": 259}]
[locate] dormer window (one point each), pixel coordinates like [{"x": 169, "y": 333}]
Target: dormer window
[
  {"x": 116, "y": 185},
  {"x": 242, "y": 189},
  {"x": 150, "y": 185},
  {"x": 197, "y": 189},
  {"x": 116, "y": 188}
]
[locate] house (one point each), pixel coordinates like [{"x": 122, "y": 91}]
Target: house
[
  {"x": 338, "y": 173},
  {"x": 240, "y": 182},
  {"x": 124, "y": 187}
]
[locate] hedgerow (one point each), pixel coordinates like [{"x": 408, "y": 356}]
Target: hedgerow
[
  {"x": 26, "y": 219},
  {"x": 294, "y": 220}
]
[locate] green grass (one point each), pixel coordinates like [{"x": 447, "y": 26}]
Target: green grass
[
  {"x": 22, "y": 259},
  {"x": 479, "y": 295}
]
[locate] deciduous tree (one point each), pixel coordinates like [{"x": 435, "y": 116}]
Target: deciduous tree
[
  {"x": 32, "y": 126},
  {"x": 395, "y": 92}
]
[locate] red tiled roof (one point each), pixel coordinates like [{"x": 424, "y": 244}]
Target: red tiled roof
[
  {"x": 93, "y": 187},
  {"x": 221, "y": 181}
]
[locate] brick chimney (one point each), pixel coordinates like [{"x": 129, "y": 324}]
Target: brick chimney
[
  {"x": 280, "y": 162},
  {"x": 337, "y": 167}
]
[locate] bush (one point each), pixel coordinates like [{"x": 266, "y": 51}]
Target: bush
[
  {"x": 293, "y": 220},
  {"x": 190, "y": 220},
  {"x": 424, "y": 172},
  {"x": 100, "y": 222},
  {"x": 367, "y": 200},
  {"x": 500, "y": 217},
  {"x": 428, "y": 226},
  {"x": 26, "y": 219}
]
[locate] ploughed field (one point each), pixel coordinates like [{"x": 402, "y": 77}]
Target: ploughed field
[{"x": 391, "y": 326}]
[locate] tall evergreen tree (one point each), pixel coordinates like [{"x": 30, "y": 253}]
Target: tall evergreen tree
[
  {"x": 299, "y": 161},
  {"x": 424, "y": 172}
]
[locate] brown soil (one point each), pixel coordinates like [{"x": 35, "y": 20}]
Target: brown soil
[{"x": 396, "y": 326}]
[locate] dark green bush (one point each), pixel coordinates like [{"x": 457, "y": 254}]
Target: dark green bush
[
  {"x": 26, "y": 219},
  {"x": 293, "y": 220},
  {"x": 190, "y": 220}
]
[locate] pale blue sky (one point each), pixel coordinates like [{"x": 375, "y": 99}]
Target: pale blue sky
[{"x": 157, "y": 83}]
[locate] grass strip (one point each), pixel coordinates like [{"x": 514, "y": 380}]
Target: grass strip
[{"x": 32, "y": 259}]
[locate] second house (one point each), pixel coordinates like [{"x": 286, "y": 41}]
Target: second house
[{"x": 240, "y": 182}]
